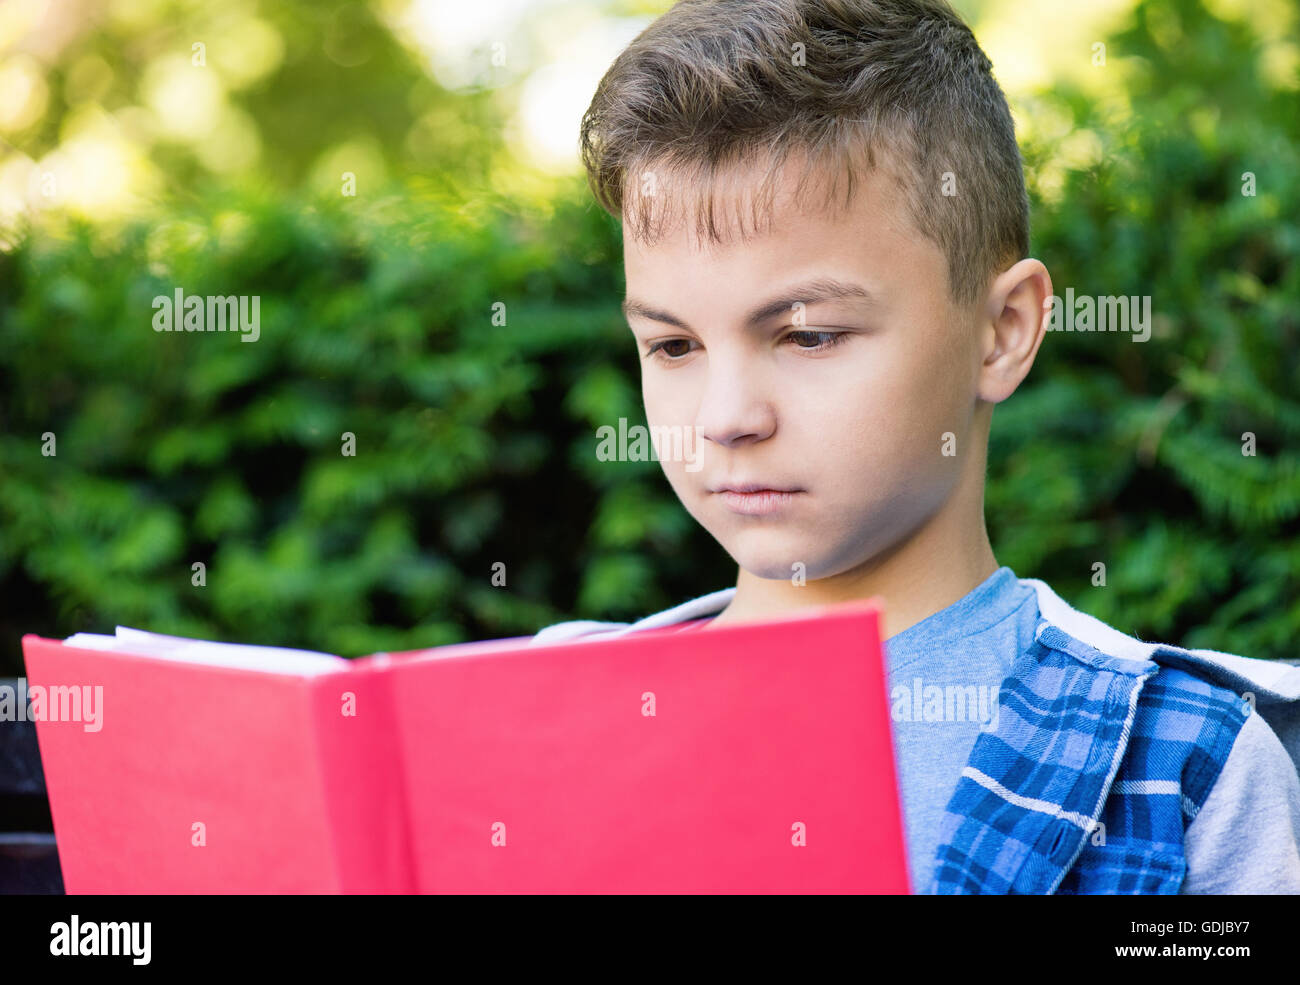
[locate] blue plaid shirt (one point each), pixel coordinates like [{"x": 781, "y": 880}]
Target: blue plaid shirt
[{"x": 1096, "y": 765}]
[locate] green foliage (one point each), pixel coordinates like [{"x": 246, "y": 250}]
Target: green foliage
[
  {"x": 176, "y": 448},
  {"x": 475, "y": 441},
  {"x": 1131, "y": 454}
]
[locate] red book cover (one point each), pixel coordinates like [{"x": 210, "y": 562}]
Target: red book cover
[{"x": 755, "y": 758}]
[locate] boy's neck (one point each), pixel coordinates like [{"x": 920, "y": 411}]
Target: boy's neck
[{"x": 942, "y": 561}]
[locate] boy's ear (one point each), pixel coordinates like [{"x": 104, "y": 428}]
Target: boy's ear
[{"x": 1018, "y": 308}]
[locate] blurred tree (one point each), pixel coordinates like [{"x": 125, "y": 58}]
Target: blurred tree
[
  {"x": 475, "y": 440},
  {"x": 1135, "y": 454}
]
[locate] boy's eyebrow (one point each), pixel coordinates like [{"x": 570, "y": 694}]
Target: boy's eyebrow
[{"x": 809, "y": 292}]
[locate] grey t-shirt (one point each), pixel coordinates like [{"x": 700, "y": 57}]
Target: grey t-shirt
[{"x": 944, "y": 675}]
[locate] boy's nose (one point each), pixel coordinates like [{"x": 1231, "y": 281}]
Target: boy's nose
[{"x": 736, "y": 407}]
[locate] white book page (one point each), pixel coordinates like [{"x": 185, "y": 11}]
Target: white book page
[{"x": 270, "y": 659}]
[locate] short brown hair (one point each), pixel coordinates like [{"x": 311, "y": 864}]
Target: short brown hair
[{"x": 712, "y": 83}]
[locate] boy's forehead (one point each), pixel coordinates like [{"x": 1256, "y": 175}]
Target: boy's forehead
[
  {"x": 745, "y": 202},
  {"x": 803, "y": 229}
]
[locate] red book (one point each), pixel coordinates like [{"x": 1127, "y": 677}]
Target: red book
[{"x": 754, "y": 758}]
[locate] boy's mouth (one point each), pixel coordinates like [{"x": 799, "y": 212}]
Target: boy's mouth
[{"x": 755, "y": 498}]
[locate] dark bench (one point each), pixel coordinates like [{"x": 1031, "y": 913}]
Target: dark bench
[{"x": 29, "y": 860}]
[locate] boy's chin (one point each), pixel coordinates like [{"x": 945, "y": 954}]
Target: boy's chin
[
  {"x": 794, "y": 565},
  {"x": 792, "y": 556}
]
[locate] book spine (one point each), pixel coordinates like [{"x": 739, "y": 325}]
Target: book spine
[{"x": 363, "y": 779}]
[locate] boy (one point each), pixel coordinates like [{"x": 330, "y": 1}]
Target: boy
[{"x": 825, "y": 237}]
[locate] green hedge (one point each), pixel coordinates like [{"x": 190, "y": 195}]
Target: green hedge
[
  {"x": 475, "y": 441},
  {"x": 1131, "y": 454}
]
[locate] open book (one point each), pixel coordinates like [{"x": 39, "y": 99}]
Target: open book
[{"x": 743, "y": 759}]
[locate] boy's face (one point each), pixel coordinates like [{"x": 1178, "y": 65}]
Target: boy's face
[{"x": 855, "y": 429}]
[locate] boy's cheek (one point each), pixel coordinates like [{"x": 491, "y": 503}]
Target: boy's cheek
[{"x": 689, "y": 486}]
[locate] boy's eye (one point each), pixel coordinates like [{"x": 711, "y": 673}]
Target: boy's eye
[
  {"x": 669, "y": 350},
  {"x": 815, "y": 340},
  {"x": 673, "y": 350}
]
